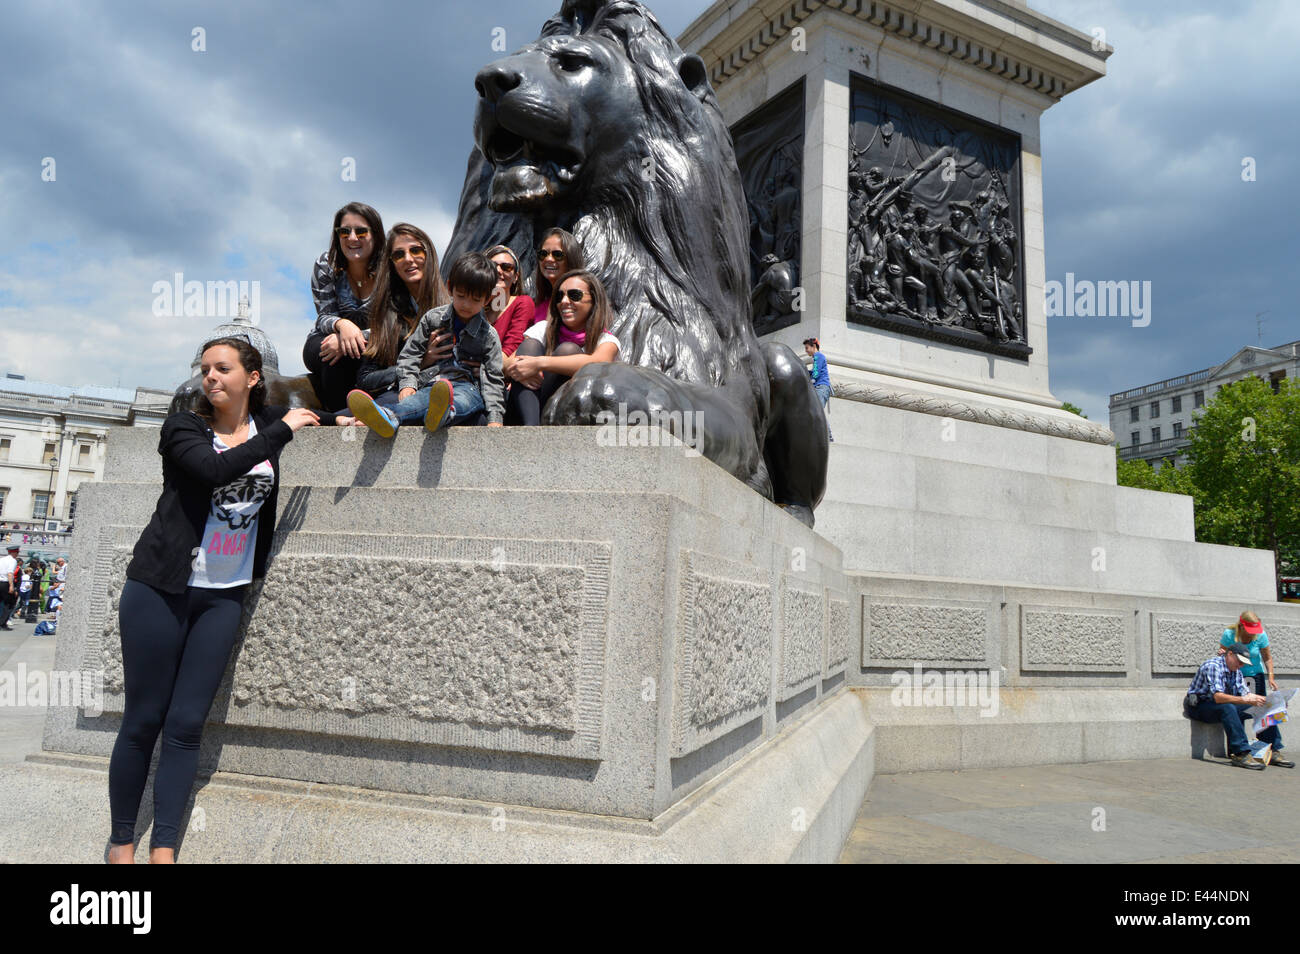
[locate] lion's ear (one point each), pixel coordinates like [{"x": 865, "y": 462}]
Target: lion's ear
[{"x": 694, "y": 74}]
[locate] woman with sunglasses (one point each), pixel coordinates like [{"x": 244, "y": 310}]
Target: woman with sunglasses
[
  {"x": 342, "y": 282},
  {"x": 559, "y": 253},
  {"x": 508, "y": 310},
  {"x": 406, "y": 288},
  {"x": 574, "y": 335}
]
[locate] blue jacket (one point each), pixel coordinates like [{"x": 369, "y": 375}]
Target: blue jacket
[{"x": 818, "y": 371}]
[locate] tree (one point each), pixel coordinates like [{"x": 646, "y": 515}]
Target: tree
[
  {"x": 1140, "y": 473},
  {"x": 1073, "y": 409},
  {"x": 1244, "y": 463}
]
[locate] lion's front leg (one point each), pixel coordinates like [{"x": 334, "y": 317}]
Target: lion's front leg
[{"x": 702, "y": 417}]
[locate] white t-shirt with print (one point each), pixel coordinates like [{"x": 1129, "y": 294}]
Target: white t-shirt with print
[
  {"x": 538, "y": 333},
  {"x": 226, "y": 552}
]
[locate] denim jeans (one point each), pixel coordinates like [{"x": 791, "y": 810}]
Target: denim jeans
[
  {"x": 824, "y": 392},
  {"x": 1231, "y": 715},
  {"x": 466, "y": 401}
]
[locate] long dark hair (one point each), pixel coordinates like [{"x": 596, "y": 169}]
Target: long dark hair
[
  {"x": 251, "y": 359},
  {"x": 337, "y": 260},
  {"x": 598, "y": 320},
  {"x": 391, "y": 315},
  {"x": 573, "y": 260}
]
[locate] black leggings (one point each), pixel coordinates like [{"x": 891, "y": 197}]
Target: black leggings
[
  {"x": 524, "y": 405},
  {"x": 332, "y": 382},
  {"x": 174, "y": 652}
]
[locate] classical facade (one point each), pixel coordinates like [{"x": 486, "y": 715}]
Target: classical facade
[
  {"x": 1154, "y": 422},
  {"x": 53, "y": 437}
]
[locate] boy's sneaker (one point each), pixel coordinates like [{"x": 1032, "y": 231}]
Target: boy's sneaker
[
  {"x": 1247, "y": 761},
  {"x": 378, "y": 419},
  {"x": 1280, "y": 760},
  {"x": 439, "y": 400}
]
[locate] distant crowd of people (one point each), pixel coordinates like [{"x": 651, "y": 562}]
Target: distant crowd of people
[
  {"x": 31, "y": 539},
  {"x": 30, "y": 589}
]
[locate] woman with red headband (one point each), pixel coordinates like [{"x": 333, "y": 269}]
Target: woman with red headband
[{"x": 1249, "y": 631}]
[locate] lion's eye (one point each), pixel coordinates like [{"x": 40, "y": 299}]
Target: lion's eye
[{"x": 573, "y": 62}]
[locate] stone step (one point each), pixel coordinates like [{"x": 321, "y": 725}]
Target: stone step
[
  {"x": 893, "y": 540},
  {"x": 871, "y": 477},
  {"x": 1036, "y": 727},
  {"x": 54, "y": 808},
  {"x": 855, "y": 424}
]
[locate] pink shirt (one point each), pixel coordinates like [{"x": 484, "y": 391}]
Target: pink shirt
[
  {"x": 513, "y": 322},
  {"x": 542, "y": 309}
]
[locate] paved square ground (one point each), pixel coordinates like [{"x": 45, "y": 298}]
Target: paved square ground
[{"x": 1169, "y": 810}]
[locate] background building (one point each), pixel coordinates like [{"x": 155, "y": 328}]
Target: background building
[
  {"x": 1153, "y": 422},
  {"x": 52, "y": 437}
]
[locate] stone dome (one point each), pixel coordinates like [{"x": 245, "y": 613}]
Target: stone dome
[{"x": 241, "y": 327}]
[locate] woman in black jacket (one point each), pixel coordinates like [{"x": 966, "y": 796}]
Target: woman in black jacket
[
  {"x": 180, "y": 609},
  {"x": 342, "y": 285}
]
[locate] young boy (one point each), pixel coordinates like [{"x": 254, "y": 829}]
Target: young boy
[
  {"x": 821, "y": 377},
  {"x": 446, "y": 392}
]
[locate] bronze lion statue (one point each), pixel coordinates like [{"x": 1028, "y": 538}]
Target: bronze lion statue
[{"x": 606, "y": 127}]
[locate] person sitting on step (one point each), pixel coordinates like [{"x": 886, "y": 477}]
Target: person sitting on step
[
  {"x": 1218, "y": 695},
  {"x": 446, "y": 391},
  {"x": 573, "y": 335}
]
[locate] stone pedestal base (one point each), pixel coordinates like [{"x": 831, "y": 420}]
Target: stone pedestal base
[{"x": 791, "y": 800}]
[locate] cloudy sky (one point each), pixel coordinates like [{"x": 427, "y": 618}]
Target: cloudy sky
[{"x": 225, "y": 165}]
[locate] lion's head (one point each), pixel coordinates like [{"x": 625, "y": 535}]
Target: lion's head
[{"x": 606, "y": 127}]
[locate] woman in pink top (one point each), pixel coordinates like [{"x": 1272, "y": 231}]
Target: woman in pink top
[{"x": 574, "y": 335}]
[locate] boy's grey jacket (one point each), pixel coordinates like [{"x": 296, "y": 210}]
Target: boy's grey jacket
[{"x": 478, "y": 342}]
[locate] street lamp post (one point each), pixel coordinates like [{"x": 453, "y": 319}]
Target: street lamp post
[{"x": 49, "y": 506}]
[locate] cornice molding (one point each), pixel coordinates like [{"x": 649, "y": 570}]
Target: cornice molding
[
  {"x": 945, "y": 29},
  {"x": 1080, "y": 429}
]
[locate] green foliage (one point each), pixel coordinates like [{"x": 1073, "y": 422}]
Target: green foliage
[
  {"x": 1073, "y": 409},
  {"x": 1242, "y": 471},
  {"x": 1140, "y": 473},
  {"x": 1245, "y": 463}
]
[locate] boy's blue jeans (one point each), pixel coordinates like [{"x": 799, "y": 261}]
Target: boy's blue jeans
[{"x": 466, "y": 401}]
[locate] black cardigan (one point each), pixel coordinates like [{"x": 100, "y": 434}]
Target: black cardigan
[{"x": 164, "y": 554}]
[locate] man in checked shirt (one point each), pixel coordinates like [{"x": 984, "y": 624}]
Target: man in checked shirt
[{"x": 1218, "y": 694}]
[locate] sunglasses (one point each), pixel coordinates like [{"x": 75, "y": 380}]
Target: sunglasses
[
  {"x": 416, "y": 251},
  {"x": 556, "y": 253},
  {"x": 574, "y": 294},
  {"x": 344, "y": 231},
  {"x": 504, "y": 267}
]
